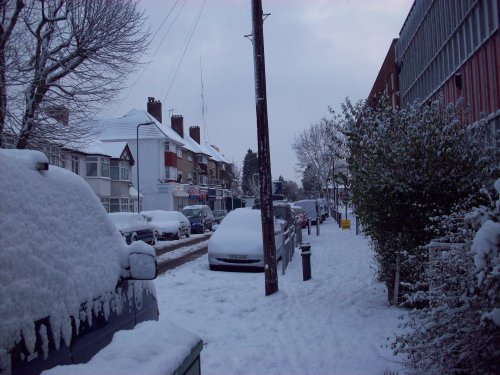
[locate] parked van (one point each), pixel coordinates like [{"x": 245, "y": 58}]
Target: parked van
[
  {"x": 68, "y": 280},
  {"x": 312, "y": 209}
]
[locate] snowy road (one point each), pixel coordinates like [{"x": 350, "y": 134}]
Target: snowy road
[{"x": 336, "y": 323}]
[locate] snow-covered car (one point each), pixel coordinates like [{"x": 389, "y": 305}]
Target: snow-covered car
[
  {"x": 219, "y": 215},
  {"x": 68, "y": 281},
  {"x": 200, "y": 216},
  {"x": 311, "y": 208},
  {"x": 170, "y": 225},
  {"x": 238, "y": 241},
  {"x": 134, "y": 227}
]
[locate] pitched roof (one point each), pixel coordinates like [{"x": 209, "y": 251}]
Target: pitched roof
[{"x": 125, "y": 128}]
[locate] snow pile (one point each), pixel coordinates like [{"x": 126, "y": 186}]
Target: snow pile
[
  {"x": 152, "y": 348},
  {"x": 58, "y": 248}
]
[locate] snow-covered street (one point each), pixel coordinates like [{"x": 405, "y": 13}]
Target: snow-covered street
[{"x": 336, "y": 323}]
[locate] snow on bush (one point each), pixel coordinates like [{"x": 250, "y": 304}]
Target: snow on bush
[
  {"x": 58, "y": 251},
  {"x": 458, "y": 331}
]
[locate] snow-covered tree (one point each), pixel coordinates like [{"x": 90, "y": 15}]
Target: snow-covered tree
[
  {"x": 250, "y": 170},
  {"x": 407, "y": 166},
  {"x": 311, "y": 183},
  {"x": 65, "y": 58}
]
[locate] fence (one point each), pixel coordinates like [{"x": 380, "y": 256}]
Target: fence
[{"x": 291, "y": 238}]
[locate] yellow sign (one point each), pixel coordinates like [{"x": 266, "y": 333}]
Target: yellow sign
[{"x": 346, "y": 224}]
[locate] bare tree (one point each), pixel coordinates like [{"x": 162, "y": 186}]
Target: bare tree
[
  {"x": 9, "y": 15},
  {"x": 83, "y": 51}
]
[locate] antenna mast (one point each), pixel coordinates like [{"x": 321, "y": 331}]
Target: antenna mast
[{"x": 203, "y": 106}]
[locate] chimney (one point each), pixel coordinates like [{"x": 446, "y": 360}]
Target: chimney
[
  {"x": 194, "y": 132},
  {"x": 154, "y": 108},
  {"x": 178, "y": 124}
]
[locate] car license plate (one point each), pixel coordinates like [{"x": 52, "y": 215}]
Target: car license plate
[{"x": 237, "y": 256}]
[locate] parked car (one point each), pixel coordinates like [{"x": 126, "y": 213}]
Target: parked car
[
  {"x": 219, "y": 215},
  {"x": 134, "y": 227},
  {"x": 237, "y": 243},
  {"x": 200, "y": 217},
  {"x": 300, "y": 216},
  {"x": 170, "y": 225},
  {"x": 68, "y": 280},
  {"x": 311, "y": 207}
]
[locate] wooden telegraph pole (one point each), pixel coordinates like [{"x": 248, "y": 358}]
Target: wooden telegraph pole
[{"x": 266, "y": 192}]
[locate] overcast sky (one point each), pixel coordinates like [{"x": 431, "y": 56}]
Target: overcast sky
[{"x": 318, "y": 52}]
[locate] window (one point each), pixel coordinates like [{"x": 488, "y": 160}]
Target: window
[
  {"x": 115, "y": 170},
  {"x": 167, "y": 146},
  {"x": 124, "y": 204},
  {"x": 91, "y": 166},
  {"x": 202, "y": 159},
  {"x": 203, "y": 180},
  {"x": 119, "y": 170},
  {"x": 124, "y": 170},
  {"x": 104, "y": 167},
  {"x": 190, "y": 156},
  {"x": 170, "y": 173},
  {"x": 114, "y": 205},
  {"x": 179, "y": 152},
  {"x": 75, "y": 164}
]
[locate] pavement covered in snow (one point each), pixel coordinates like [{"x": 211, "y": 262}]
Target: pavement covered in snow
[{"x": 336, "y": 323}]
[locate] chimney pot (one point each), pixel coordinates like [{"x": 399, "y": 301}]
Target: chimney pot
[{"x": 154, "y": 108}]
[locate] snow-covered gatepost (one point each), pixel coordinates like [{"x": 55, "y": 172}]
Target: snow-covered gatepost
[{"x": 266, "y": 203}]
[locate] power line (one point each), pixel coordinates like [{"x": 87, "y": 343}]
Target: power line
[
  {"x": 143, "y": 70},
  {"x": 190, "y": 36}
]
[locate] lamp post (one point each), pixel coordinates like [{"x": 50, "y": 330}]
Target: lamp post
[{"x": 137, "y": 144}]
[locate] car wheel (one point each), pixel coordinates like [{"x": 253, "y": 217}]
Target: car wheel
[
  {"x": 188, "y": 233},
  {"x": 155, "y": 237},
  {"x": 178, "y": 235},
  {"x": 203, "y": 229},
  {"x": 133, "y": 238}
]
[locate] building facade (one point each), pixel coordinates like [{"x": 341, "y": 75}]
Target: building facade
[{"x": 452, "y": 48}]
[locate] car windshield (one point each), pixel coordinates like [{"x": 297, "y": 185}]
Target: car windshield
[
  {"x": 192, "y": 212},
  {"x": 219, "y": 212}
]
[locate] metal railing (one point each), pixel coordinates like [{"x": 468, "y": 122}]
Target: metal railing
[{"x": 291, "y": 239}]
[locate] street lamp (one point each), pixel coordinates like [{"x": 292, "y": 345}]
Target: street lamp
[{"x": 137, "y": 144}]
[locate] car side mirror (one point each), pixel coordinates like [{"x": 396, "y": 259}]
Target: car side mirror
[{"x": 142, "y": 266}]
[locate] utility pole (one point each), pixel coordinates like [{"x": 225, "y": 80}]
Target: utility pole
[{"x": 266, "y": 203}]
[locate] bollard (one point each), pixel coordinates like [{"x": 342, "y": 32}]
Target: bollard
[
  {"x": 357, "y": 226},
  {"x": 309, "y": 225},
  {"x": 305, "y": 247},
  {"x": 317, "y": 226},
  {"x": 340, "y": 220}
]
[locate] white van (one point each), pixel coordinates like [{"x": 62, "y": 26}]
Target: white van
[{"x": 311, "y": 207}]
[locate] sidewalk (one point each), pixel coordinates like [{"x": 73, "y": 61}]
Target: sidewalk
[{"x": 336, "y": 323}]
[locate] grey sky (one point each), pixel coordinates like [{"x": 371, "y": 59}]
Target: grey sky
[{"x": 318, "y": 52}]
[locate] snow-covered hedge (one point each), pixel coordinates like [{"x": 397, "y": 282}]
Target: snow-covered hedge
[{"x": 458, "y": 332}]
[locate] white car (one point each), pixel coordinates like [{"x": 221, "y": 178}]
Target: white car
[
  {"x": 237, "y": 243},
  {"x": 134, "y": 227},
  {"x": 170, "y": 225}
]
